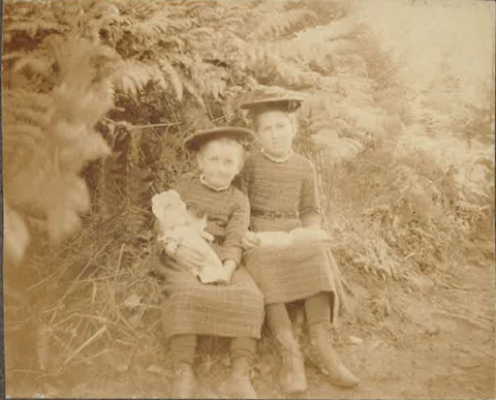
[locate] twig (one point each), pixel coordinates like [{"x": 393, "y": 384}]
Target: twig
[
  {"x": 72, "y": 337},
  {"x": 65, "y": 319},
  {"x": 58, "y": 272},
  {"x": 484, "y": 353},
  {"x": 124, "y": 343},
  {"x": 106, "y": 321},
  {"x": 102, "y": 278},
  {"x": 83, "y": 271},
  {"x": 131, "y": 127},
  {"x": 85, "y": 344},
  {"x": 104, "y": 351},
  {"x": 29, "y": 371},
  {"x": 347, "y": 286},
  {"x": 152, "y": 326},
  {"x": 118, "y": 266},
  {"x": 452, "y": 287},
  {"x": 462, "y": 318},
  {"x": 475, "y": 315},
  {"x": 134, "y": 127}
]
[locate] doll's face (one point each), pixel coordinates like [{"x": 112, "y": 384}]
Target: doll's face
[
  {"x": 220, "y": 161},
  {"x": 275, "y": 131},
  {"x": 169, "y": 209}
]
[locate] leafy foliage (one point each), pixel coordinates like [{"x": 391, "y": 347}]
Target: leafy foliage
[
  {"x": 50, "y": 135},
  {"x": 85, "y": 79},
  {"x": 98, "y": 97}
]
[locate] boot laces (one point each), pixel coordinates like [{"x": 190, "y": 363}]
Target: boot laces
[{"x": 287, "y": 343}]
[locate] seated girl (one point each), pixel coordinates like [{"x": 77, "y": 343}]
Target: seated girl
[
  {"x": 234, "y": 310},
  {"x": 281, "y": 187}
]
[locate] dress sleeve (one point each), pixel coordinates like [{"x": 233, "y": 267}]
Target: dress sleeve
[
  {"x": 309, "y": 203},
  {"x": 180, "y": 188},
  {"x": 236, "y": 228},
  {"x": 244, "y": 178}
]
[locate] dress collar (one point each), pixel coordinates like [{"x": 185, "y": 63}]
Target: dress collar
[
  {"x": 204, "y": 182},
  {"x": 278, "y": 160}
]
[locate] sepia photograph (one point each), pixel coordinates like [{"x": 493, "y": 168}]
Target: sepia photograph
[{"x": 248, "y": 199}]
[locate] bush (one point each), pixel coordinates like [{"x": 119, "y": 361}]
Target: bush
[{"x": 98, "y": 97}]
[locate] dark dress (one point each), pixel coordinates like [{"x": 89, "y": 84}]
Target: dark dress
[
  {"x": 289, "y": 273},
  {"x": 234, "y": 310}
]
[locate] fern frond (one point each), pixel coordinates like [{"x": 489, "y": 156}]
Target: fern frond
[
  {"x": 140, "y": 9},
  {"x": 80, "y": 62},
  {"x": 234, "y": 22},
  {"x": 37, "y": 65},
  {"x": 202, "y": 32},
  {"x": 278, "y": 24},
  {"x": 84, "y": 146},
  {"x": 369, "y": 120},
  {"x": 32, "y": 28},
  {"x": 53, "y": 132},
  {"x": 172, "y": 76},
  {"x": 184, "y": 24},
  {"x": 268, "y": 67},
  {"x": 338, "y": 149},
  {"x": 210, "y": 79},
  {"x": 191, "y": 89},
  {"x": 157, "y": 24},
  {"x": 306, "y": 48},
  {"x": 135, "y": 76},
  {"x": 338, "y": 29}
]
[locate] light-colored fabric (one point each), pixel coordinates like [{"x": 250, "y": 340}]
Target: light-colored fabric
[{"x": 290, "y": 273}]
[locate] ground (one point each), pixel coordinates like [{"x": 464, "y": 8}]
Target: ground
[{"x": 432, "y": 337}]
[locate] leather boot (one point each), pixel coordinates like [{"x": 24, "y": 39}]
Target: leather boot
[
  {"x": 292, "y": 375},
  {"x": 184, "y": 382},
  {"x": 238, "y": 385},
  {"x": 323, "y": 355}
]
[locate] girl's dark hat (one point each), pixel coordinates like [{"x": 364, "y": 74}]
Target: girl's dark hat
[
  {"x": 195, "y": 141},
  {"x": 286, "y": 104}
]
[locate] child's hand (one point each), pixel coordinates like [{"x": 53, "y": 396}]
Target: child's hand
[
  {"x": 250, "y": 240},
  {"x": 207, "y": 236},
  {"x": 229, "y": 268}
]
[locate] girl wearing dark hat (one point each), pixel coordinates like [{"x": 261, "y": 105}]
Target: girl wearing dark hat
[
  {"x": 281, "y": 186},
  {"x": 235, "y": 310}
]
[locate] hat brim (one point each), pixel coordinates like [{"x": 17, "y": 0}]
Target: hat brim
[
  {"x": 195, "y": 141},
  {"x": 277, "y": 103}
]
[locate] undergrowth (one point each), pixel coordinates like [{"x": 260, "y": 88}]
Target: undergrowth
[{"x": 98, "y": 97}]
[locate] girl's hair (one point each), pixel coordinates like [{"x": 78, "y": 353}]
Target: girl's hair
[
  {"x": 292, "y": 118},
  {"x": 228, "y": 140}
]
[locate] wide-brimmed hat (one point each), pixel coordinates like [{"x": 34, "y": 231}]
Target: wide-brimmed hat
[
  {"x": 195, "y": 141},
  {"x": 286, "y": 104}
]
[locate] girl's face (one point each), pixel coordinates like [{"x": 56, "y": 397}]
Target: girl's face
[
  {"x": 276, "y": 132},
  {"x": 220, "y": 161}
]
